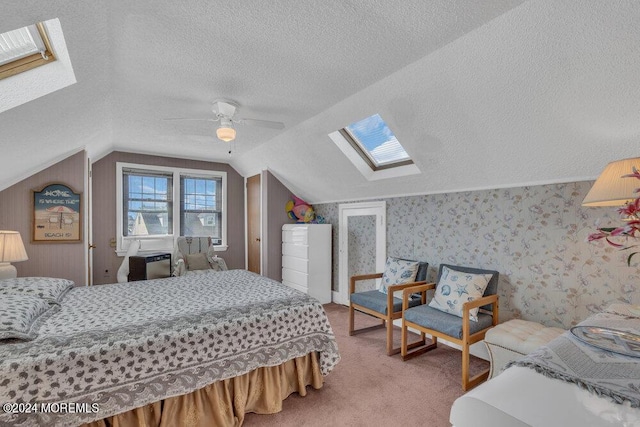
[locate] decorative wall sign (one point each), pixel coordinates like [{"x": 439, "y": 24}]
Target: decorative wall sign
[{"x": 57, "y": 214}]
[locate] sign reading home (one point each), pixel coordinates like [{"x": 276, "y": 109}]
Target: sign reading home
[{"x": 56, "y": 214}]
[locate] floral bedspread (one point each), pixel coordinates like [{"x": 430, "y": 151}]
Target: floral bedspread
[{"x": 112, "y": 348}]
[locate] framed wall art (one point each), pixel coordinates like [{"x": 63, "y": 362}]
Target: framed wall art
[{"x": 57, "y": 214}]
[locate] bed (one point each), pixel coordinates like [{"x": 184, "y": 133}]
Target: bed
[
  {"x": 564, "y": 383},
  {"x": 206, "y": 347}
]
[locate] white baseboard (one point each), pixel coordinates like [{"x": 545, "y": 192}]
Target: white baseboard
[{"x": 335, "y": 297}]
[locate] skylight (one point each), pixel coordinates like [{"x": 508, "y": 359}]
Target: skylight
[
  {"x": 376, "y": 143},
  {"x": 23, "y": 49}
]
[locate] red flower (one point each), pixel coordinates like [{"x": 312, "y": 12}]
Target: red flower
[{"x": 631, "y": 209}]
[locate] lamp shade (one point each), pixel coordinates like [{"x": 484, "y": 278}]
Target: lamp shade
[
  {"x": 225, "y": 131},
  {"x": 226, "y": 134},
  {"x": 611, "y": 189},
  {"x": 11, "y": 247}
]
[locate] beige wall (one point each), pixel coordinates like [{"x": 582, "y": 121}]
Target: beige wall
[
  {"x": 65, "y": 260},
  {"x": 105, "y": 260}
]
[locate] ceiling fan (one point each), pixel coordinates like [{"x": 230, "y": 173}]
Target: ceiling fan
[{"x": 225, "y": 113}]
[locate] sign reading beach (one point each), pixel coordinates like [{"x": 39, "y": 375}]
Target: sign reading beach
[{"x": 56, "y": 214}]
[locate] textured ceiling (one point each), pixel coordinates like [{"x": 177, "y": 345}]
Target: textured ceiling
[{"x": 481, "y": 94}]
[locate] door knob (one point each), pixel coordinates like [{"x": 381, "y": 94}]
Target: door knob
[{"x": 257, "y": 239}]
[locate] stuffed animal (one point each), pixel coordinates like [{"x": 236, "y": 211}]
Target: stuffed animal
[{"x": 300, "y": 210}]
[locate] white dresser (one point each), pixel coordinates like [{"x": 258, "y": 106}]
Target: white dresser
[{"x": 306, "y": 259}]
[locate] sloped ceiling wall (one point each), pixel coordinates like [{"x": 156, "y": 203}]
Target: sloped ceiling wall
[
  {"x": 481, "y": 94},
  {"x": 545, "y": 93}
]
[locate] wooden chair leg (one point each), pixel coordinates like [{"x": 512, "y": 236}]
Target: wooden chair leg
[
  {"x": 469, "y": 383},
  {"x": 403, "y": 340},
  {"x": 465, "y": 366},
  {"x": 421, "y": 345},
  {"x": 351, "y": 314},
  {"x": 390, "y": 351}
]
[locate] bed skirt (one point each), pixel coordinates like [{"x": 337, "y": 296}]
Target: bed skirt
[{"x": 225, "y": 402}]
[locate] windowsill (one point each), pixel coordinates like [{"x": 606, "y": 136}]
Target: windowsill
[{"x": 160, "y": 244}]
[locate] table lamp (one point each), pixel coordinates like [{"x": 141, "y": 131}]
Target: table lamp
[
  {"x": 611, "y": 189},
  {"x": 11, "y": 250}
]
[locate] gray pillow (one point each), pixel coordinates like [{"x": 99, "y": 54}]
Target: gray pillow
[
  {"x": 48, "y": 288},
  {"x": 197, "y": 261},
  {"x": 18, "y": 314}
]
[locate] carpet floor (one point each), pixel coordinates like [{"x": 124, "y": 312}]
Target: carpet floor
[{"x": 369, "y": 388}]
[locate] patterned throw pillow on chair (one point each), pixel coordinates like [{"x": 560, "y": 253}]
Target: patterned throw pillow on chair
[
  {"x": 455, "y": 288},
  {"x": 398, "y": 272}
]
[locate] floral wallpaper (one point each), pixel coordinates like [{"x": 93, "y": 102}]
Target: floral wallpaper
[{"x": 534, "y": 236}]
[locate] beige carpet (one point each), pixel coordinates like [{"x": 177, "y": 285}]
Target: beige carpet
[{"x": 369, "y": 388}]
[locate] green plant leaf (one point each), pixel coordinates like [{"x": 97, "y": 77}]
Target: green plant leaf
[{"x": 629, "y": 258}]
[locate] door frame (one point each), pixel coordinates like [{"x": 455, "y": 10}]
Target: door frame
[
  {"x": 246, "y": 221},
  {"x": 346, "y": 210}
]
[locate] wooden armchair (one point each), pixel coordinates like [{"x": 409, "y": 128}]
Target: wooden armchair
[
  {"x": 459, "y": 330},
  {"x": 384, "y": 306}
]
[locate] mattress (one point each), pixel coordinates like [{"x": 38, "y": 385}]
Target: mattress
[
  {"x": 121, "y": 346},
  {"x": 520, "y": 397}
]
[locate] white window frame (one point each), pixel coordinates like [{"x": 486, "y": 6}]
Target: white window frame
[
  {"x": 42, "y": 55},
  {"x": 365, "y": 169},
  {"x": 165, "y": 242}
]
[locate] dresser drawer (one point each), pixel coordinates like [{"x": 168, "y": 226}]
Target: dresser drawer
[
  {"x": 299, "y": 251},
  {"x": 298, "y": 236},
  {"x": 294, "y": 263},
  {"x": 295, "y": 277}
]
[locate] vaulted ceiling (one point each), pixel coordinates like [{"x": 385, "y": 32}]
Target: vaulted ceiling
[{"x": 481, "y": 94}]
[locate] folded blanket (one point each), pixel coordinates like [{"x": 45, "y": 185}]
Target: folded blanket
[{"x": 600, "y": 371}]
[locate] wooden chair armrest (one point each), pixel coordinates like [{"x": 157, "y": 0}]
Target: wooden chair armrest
[
  {"x": 396, "y": 288},
  {"x": 489, "y": 299},
  {"x": 414, "y": 290},
  {"x": 354, "y": 279}
]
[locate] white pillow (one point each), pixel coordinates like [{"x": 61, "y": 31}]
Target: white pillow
[
  {"x": 18, "y": 315},
  {"x": 457, "y": 287},
  {"x": 50, "y": 289},
  {"x": 398, "y": 272}
]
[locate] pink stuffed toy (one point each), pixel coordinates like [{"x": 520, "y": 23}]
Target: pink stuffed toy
[{"x": 300, "y": 210}]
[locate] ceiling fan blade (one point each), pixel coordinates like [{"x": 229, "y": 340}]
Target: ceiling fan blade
[
  {"x": 261, "y": 123},
  {"x": 192, "y": 119}
]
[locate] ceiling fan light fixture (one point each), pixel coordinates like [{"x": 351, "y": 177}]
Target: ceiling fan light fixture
[{"x": 225, "y": 131}]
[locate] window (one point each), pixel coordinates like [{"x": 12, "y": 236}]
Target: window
[
  {"x": 147, "y": 212},
  {"x": 373, "y": 149},
  {"x": 376, "y": 144},
  {"x": 200, "y": 207},
  {"x": 147, "y": 204},
  {"x": 24, "y": 49}
]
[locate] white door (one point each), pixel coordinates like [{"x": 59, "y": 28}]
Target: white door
[{"x": 350, "y": 210}]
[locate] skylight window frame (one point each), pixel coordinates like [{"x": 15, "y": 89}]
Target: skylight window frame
[
  {"x": 32, "y": 61},
  {"x": 362, "y": 152}
]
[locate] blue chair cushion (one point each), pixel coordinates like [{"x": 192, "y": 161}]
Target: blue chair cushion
[
  {"x": 377, "y": 301},
  {"x": 449, "y": 324}
]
